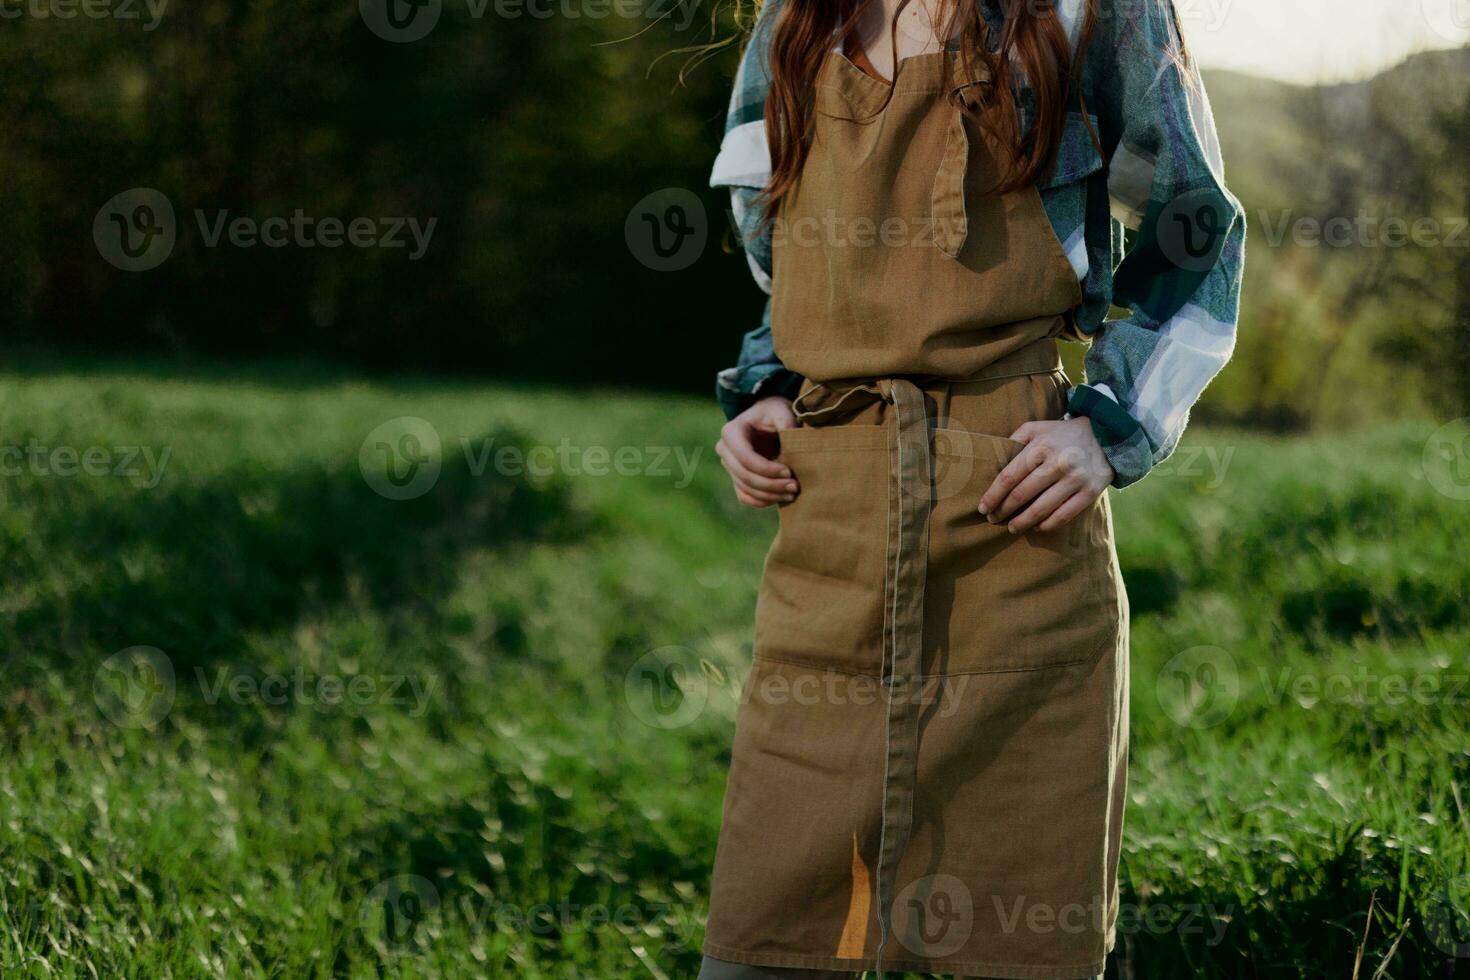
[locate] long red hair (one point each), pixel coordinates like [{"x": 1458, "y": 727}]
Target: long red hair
[{"x": 1032, "y": 45}]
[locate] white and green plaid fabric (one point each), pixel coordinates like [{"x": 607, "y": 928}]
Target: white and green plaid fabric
[{"x": 1149, "y": 227}]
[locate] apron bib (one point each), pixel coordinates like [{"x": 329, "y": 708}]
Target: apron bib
[
  {"x": 890, "y": 257},
  {"x": 930, "y": 752}
]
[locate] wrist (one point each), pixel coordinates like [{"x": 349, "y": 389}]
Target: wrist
[{"x": 1119, "y": 434}]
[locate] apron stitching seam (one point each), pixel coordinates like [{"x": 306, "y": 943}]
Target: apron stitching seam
[{"x": 888, "y": 728}]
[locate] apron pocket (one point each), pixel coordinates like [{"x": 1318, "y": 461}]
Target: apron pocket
[
  {"x": 997, "y": 601},
  {"x": 821, "y": 598}
]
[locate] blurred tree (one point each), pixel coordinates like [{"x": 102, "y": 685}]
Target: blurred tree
[
  {"x": 1424, "y": 177},
  {"x": 525, "y": 138},
  {"x": 1457, "y": 129}
]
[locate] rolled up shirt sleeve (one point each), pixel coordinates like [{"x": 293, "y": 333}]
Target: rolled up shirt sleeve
[
  {"x": 744, "y": 166},
  {"x": 1180, "y": 278},
  {"x": 758, "y": 374}
]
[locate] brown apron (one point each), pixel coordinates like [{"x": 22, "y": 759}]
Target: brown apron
[{"x": 930, "y": 752}]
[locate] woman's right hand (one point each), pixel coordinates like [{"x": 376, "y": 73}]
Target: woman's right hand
[{"x": 748, "y": 446}]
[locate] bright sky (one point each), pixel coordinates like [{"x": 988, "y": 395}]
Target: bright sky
[{"x": 1319, "y": 40}]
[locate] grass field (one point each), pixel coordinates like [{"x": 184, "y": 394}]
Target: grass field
[{"x": 408, "y": 737}]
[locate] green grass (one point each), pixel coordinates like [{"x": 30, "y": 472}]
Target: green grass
[{"x": 552, "y": 832}]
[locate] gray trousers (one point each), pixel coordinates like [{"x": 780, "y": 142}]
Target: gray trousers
[{"x": 713, "y": 969}]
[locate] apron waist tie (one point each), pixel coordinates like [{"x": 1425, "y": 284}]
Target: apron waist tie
[{"x": 820, "y": 401}]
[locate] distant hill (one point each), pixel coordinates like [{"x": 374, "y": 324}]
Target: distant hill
[
  {"x": 1273, "y": 157},
  {"x": 1321, "y": 322}
]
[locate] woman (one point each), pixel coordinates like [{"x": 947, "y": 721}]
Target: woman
[{"x": 930, "y": 755}]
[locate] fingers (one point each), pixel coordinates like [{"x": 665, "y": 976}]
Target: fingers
[
  {"x": 1042, "y": 507},
  {"x": 759, "y": 487},
  {"x": 1045, "y": 475},
  {"x": 759, "y": 480},
  {"x": 758, "y": 498},
  {"x": 1000, "y": 488},
  {"x": 737, "y": 445},
  {"x": 748, "y": 466},
  {"x": 1070, "y": 509},
  {"x": 1027, "y": 432},
  {"x": 736, "y": 450},
  {"x": 1060, "y": 459}
]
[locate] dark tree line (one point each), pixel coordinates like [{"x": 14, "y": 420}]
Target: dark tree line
[{"x": 525, "y": 139}]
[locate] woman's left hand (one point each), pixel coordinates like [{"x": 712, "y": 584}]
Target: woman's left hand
[{"x": 1057, "y": 476}]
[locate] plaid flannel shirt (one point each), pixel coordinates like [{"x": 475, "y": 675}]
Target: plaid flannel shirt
[{"x": 1148, "y": 227}]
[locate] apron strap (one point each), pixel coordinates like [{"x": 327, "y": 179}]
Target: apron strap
[
  {"x": 951, "y": 224},
  {"x": 908, "y": 561},
  {"x": 910, "y": 497}
]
